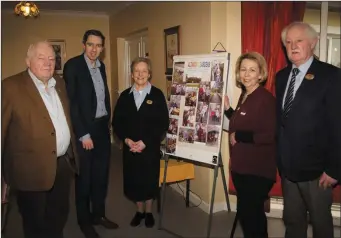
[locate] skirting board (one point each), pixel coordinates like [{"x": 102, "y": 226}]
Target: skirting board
[{"x": 275, "y": 211}]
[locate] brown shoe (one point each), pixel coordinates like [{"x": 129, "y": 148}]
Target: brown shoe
[{"x": 105, "y": 222}]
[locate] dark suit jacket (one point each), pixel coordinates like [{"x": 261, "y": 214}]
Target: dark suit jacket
[
  {"x": 28, "y": 140},
  {"x": 82, "y": 95},
  {"x": 309, "y": 140}
]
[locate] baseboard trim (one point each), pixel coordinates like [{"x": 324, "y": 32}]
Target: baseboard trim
[{"x": 276, "y": 205}]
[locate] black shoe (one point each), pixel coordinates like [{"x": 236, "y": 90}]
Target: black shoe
[
  {"x": 149, "y": 221},
  {"x": 105, "y": 222},
  {"x": 89, "y": 231},
  {"x": 137, "y": 219}
]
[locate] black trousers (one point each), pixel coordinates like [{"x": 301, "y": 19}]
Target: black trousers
[
  {"x": 252, "y": 192},
  {"x": 92, "y": 181},
  {"x": 44, "y": 214}
]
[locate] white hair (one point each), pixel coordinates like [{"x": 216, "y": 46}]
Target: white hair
[
  {"x": 32, "y": 48},
  {"x": 310, "y": 31}
]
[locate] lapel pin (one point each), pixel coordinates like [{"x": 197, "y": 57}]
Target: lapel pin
[
  {"x": 149, "y": 102},
  {"x": 309, "y": 76}
]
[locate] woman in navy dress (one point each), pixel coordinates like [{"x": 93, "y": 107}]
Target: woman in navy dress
[{"x": 140, "y": 120}]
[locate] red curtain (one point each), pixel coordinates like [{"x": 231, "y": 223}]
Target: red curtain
[{"x": 280, "y": 14}]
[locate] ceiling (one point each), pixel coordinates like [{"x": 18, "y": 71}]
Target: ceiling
[
  {"x": 113, "y": 7},
  {"x": 100, "y": 7}
]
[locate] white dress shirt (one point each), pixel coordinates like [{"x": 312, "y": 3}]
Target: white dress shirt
[{"x": 56, "y": 112}]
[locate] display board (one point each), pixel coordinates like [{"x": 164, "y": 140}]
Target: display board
[{"x": 196, "y": 109}]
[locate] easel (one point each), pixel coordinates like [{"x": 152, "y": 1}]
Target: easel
[
  {"x": 217, "y": 163},
  {"x": 216, "y": 169}
]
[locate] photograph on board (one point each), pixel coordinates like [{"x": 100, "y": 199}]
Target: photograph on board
[
  {"x": 186, "y": 135},
  {"x": 204, "y": 92},
  {"x": 212, "y": 135},
  {"x": 191, "y": 96},
  {"x": 173, "y": 126},
  {"x": 217, "y": 82},
  {"x": 178, "y": 89},
  {"x": 178, "y": 72},
  {"x": 170, "y": 143},
  {"x": 188, "y": 118},
  {"x": 174, "y": 105},
  {"x": 202, "y": 112},
  {"x": 214, "y": 114},
  {"x": 200, "y": 133}
]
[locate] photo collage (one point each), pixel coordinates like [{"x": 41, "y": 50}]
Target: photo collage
[{"x": 199, "y": 120}]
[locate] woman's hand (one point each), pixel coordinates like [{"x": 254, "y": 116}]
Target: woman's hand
[
  {"x": 136, "y": 147},
  {"x": 130, "y": 143},
  {"x": 140, "y": 146},
  {"x": 226, "y": 103},
  {"x": 233, "y": 138}
]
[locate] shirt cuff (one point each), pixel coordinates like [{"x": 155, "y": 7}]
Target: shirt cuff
[
  {"x": 229, "y": 112},
  {"x": 244, "y": 136},
  {"x": 87, "y": 136}
]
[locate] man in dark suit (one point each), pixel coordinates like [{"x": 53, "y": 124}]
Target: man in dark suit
[
  {"x": 87, "y": 88},
  {"x": 37, "y": 144},
  {"x": 309, "y": 134}
]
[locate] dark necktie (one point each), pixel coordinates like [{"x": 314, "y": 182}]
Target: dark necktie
[{"x": 290, "y": 93}]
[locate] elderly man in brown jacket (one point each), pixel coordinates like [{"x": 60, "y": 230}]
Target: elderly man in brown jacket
[{"x": 36, "y": 143}]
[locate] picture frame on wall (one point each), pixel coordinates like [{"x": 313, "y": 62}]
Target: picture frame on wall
[
  {"x": 172, "y": 46},
  {"x": 60, "y": 51}
]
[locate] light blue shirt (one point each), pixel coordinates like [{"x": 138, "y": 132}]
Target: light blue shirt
[
  {"x": 139, "y": 96},
  {"x": 299, "y": 78},
  {"x": 99, "y": 87},
  {"x": 98, "y": 82}
]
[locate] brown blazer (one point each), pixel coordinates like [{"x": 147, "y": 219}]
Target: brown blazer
[{"x": 28, "y": 140}]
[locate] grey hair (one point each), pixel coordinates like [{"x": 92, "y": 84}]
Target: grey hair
[
  {"x": 32, "y": 48},
  {"x": 309, "y": 30},
  {"x": 144, "y": 60}
]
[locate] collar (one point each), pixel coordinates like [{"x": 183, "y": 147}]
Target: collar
[
  {"x": 88, "y": 62},
  {"x": 146, "y": 89},
  {"x": 39, "y": 84},
  {"x": 304, "y": 67}
]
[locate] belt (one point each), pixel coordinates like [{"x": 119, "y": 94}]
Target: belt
[
  {"x": 63, "y": 156},
  {"x": 100, "y": 119}
]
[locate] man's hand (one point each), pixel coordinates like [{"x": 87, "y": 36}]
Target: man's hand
[
  {"x": 88, "y": 144},
  {"x": 326, "y": 181}
]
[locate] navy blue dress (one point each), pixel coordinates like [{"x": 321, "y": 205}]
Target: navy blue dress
[{"x": 141, "y": 171}]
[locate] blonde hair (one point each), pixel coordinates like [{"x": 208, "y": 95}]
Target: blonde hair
[
  {"x": 144, "y": 60},
  {"x": 310, "y": 31},
  {"x": 256, "y": 57}
]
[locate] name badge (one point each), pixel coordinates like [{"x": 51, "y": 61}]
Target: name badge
[{"x": 243, "y": 113}]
